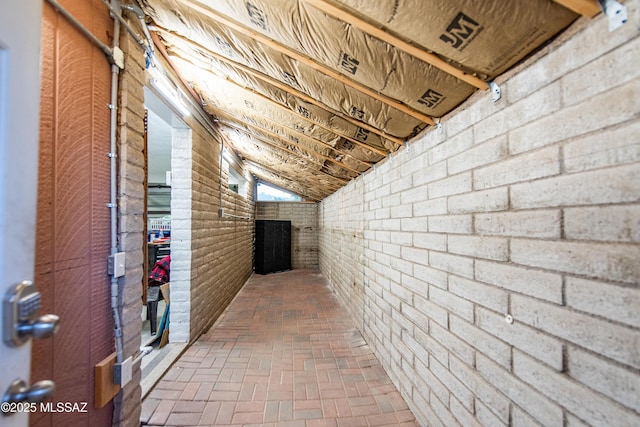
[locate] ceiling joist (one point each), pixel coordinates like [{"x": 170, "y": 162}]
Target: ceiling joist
[
  {"x": 289, "y": 142},
  {"x": 308, "y": 61},
  {"x": 284, "y": 87},
  {"x": 588, "y": 8},
  {"x": 274, "y": 134},
  {"x": 296, "y": 113},
  {"x": 280, "y": 147}
]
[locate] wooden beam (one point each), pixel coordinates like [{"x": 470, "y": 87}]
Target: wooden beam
[
  {"x": 311, "y": 137},
  {"x": 318, "y": 123},
  {"x": 280, "y": 147},
  {"x": 260, "y": 128},
  {"x": 308, "y": 61},
  {"x": 275, "y": 135},
  {"x": 399, "y": 44},
  {"x": 295, "y": 113},
  {"x": 588, "y": 8},
  {"x": 284, "y": 87}
]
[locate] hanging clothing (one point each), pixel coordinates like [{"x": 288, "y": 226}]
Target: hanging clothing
[{"x": 160, "y": 273}]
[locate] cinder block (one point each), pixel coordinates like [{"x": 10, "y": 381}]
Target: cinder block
[
  {"x": 588, "y": 152},
  {"x": 619, "y": 103},
  {"x": 455, "y": 386},
  {"x": 610, "y": 301},
  {"x": 606, "y": 261},
  {"x": 460, "y": 224},
  {"x": 480, "y": 155},
  {"x": 598, "y": 373},
  {"x": 452, "y": 303},
  {"x": 479, "y": 293},
  {"x": 429, "y": 174},
  {"x": 605, "y": 223},
  {"x": 618, "y": 66},
  {"x": 456, "y": 184},
  {"x": 526, "y": 167},
  {"x": 534, "y": 223},
  {"x": 430, "y": 207},
  {"x": 611, "y": 340},
  {"x": 462, "y": 266},
  {"x": 613, "y": 185},
  {"x": 453, "y": 345},
  {"x": 486, "y": 417},
  {"x": 490, "y": 397},
  {"x": 431, "y": 276},
  {"x": 458, "y": 144},
  {"x": 485, "y": 343},
  {"x": 496, "y": 199},
  {"x": 432, "y": 241},
  {"x": 495, "y": 248},
  {"x": 539, "y": 345},
  {"x": 572, "y": 395},
  {"x": 535, "y": 404}
]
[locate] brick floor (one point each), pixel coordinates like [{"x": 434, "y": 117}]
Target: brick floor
[{"x": 284, "y": 354}]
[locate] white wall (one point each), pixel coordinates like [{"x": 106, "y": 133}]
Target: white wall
[{"x": 527, "y": 207}]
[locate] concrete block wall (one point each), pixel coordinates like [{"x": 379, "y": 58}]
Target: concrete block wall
[
  {"x": 131, "y": 203},
  {"x": 221, "y": 247},
  {"x": 304, "y": 229},
  {"x": 494, "y": 266},
  {"x": 211, "y": 256}
]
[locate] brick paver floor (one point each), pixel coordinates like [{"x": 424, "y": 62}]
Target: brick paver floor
[{"x": 284, "y": 354}]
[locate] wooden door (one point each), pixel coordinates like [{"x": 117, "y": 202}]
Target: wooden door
[{"x": 72, "y": 238}]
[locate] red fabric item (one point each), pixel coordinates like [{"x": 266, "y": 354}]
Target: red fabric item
[{"x": 160, "y": 273}]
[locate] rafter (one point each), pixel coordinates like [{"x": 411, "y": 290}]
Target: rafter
[
  {"x": 284, "y": 87},
  {"x": 260, "y": 128},
  {"x": 211, "y": 13},
  {"x": 372, "y": 30},
  {"x": 280, "y": 147},
  {"x": 286, "y": 141},
  {"x": 295, "y": 113},
  {"x": 588, "y": 8}
]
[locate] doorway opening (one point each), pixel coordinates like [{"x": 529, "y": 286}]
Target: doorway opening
[{"x": 166, "y": 134}]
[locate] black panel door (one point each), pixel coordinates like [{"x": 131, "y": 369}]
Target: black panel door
[{"x": 273, "y": 246}]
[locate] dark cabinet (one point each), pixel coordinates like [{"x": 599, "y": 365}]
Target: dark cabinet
[{"x": 273, "y": 246}]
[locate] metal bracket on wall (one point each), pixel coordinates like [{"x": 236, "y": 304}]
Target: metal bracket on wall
[
  {"x": 496, "y": 94},
  {"x": 616, "y": 12}
]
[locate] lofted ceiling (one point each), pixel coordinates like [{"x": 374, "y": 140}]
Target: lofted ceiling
[{"x": 312, "y": 93}]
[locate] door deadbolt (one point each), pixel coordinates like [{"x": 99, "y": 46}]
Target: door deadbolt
[{"x": 20, "y": 323}]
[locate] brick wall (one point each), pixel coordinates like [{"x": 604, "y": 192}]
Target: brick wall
[
  {"x": 211, "y": 256},
  {"x": 304, "y": 229},
  {"x": 131, "y": 194},
  {"x": 221, "y": 247},
  {"x": 527, "y": 208}
]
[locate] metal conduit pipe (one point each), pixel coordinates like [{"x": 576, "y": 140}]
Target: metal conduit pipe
[
  {"x": 113, "y": 203},
  {"x": 64, "y": 12},
  {"x": 115, "y": 11},
  {"x": 140, "y": 14}
]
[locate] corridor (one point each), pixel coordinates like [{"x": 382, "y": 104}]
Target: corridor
[{"x": 283, "y": 354}]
